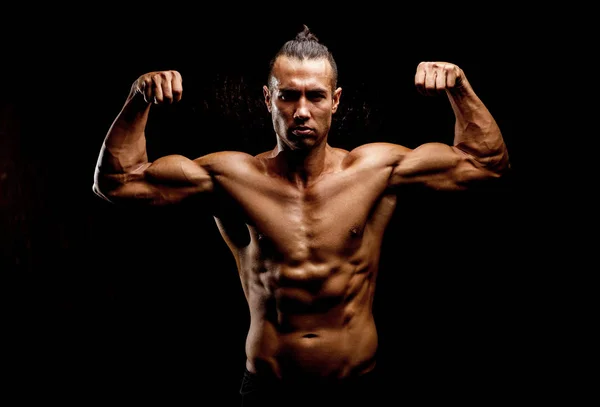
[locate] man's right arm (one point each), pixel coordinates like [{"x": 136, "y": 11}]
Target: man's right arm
[{"x": 123, "y": 171}]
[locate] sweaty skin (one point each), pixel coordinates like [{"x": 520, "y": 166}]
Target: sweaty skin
[{"x": 305, "y": 220}]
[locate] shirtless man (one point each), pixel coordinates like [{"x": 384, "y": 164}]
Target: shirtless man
[{"x": 304, "y": 220}]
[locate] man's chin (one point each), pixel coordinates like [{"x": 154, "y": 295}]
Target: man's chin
[
  {"x": 300, "y": 143},
  {"x": 305, "y": 144}
]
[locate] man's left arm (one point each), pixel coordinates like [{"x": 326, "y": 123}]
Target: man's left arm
[{"x": 478, "y": 152}]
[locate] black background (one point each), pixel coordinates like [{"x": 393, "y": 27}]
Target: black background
[{"x": 145, "y": 305}]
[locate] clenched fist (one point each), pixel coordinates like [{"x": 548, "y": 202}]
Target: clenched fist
[
  {"x": 435, "y": 77},
  {"x": 160, "y": 87}
]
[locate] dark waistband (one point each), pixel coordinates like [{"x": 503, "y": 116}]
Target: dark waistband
[{"x": 255, "y": 381}]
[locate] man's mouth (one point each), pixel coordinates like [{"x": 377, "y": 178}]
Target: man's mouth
[{"x": 302, "y": 131}]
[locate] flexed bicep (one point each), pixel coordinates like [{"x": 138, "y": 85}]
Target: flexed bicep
[
  {"x": 478, "y": 151},
  {"x": 123, "y": 171},
  {"x": 438, "y": 166},
  {"x": 169, "y": 179}
]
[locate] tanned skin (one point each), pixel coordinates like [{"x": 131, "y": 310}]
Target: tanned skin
[{"x": 304, "y": 220}]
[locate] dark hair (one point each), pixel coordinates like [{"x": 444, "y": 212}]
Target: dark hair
[{"x": 305, "y": 45}]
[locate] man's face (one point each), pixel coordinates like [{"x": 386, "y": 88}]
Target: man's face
[{"x": 301, "y": 101}]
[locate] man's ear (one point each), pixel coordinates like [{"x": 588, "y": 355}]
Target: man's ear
[
  {"x": 267, "y": 96},
  {"x": 337, "y": 94}
]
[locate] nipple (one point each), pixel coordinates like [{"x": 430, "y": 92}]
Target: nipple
[{"x": 355, "y": 231}]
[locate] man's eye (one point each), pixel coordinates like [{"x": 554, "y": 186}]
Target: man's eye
[{"x": 316, "y": 96}]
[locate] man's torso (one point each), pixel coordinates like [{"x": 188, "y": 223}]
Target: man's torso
[{"x": 307, "y": 257}]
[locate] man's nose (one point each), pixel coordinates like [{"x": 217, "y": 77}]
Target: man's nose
[{"x": 302, "y": 112}]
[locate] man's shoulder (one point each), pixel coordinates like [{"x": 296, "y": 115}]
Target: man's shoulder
[
  {"x": 375, "y": 153},
  {"x": 263, "y": 155},
  {"x": 380, "y": 147},
  {"x": 228, "y": 155},
  {"x": 226, "y": 161}
]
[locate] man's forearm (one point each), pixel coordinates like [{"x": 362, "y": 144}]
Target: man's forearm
[
  {"x": 476, "y": 131},
  {"x": 124, "y": 147}
]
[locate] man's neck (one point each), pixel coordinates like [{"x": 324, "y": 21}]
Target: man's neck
[{"x": 302, "y": 167}]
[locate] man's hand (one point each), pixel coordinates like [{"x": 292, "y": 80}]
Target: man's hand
[
  {"x": 160, "y": 87},
  {"x": 436, "y": 77}
]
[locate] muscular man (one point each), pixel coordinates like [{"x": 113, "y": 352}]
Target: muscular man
[{"x": 304, "y": 220}]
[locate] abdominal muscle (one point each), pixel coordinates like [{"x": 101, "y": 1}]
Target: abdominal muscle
[{"x": 317, "y": 328}]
